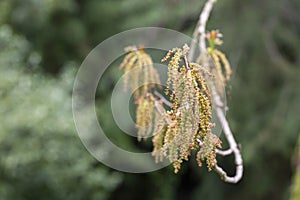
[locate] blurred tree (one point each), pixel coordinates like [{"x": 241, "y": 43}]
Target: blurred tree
[
  {"x": 296, "y": 184},
  {"x": 262, "y": 39},
  {"x": 42, "y": 157},
  {"x": 68, "y": 30}
]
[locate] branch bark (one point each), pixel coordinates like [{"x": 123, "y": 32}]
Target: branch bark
[
  {"x": 233, "y": 147},
  {"x": 162, "y": 98},
  {"x": 159, "y": 102},
  {"x": 199, "y": 34},
  {"x": 161, "y": 112}
]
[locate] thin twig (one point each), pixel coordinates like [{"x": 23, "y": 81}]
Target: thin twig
[
  {"x": 224, "y": 152},
  {"x": 202, "y": 23},
  {"x": 199, "y": 33},
  {"x": 161, "y": 112},
  {"x": 231, "y": 141},
  {"x": 186, "y": 63},
  {"x": 162, "y": 98},
  {"x": 158, "y": 107}
]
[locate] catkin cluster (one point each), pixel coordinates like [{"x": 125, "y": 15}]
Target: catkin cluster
[
  {"x": 140, "y": 75},
  {"x": 184, "y": 124},
  {"x": 190, "y": 115},
  {"x": 220, "y": 65}
]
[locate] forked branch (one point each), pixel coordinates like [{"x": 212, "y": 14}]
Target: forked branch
[
  {"x": 186, "y": 124},
  {"x": 199, "y": 32},
  {"x": 199, "y": 35}
]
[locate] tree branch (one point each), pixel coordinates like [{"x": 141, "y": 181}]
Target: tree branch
[
  {"x": 199, "y": 34},
  {"x": 161, "y": 112},
  {"x": 224, "y": 152},
  {"x": 159, "y": 108},
  {"x": 186, "y": 63},
  {"x": 233, "y": 147},
  {"x": 162, "y": 98}
]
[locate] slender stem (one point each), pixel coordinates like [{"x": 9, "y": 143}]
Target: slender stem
[
  {"x": 162, "y": 98},
  {"x": 233, "y": 147},
  {"x": 202, "y": 23},
  {"x": 186, "y": 63},
  {"x": 224, "y": 152},
  {"x": 199, "y": 34},
  {"x": 161, "y": 112},
  {"x": 159, "y": 108},
  {"x": 231, "y": 141}
]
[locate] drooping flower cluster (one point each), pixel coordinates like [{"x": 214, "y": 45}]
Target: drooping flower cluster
[
  {"x": 190, "y": 114},
  {"x": 186, "y": 125},
  {"x": 221, "y": 69},
  {"x": 139, "y": 70}
]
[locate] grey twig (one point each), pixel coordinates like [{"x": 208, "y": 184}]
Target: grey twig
[{"x": 199, "y": 34}]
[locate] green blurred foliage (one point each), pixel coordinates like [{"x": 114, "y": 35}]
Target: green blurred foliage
[
  {"x": 295, "y": 194},
  {"x": 41, "y": 155}
]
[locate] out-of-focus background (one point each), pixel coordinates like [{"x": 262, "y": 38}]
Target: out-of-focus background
[{"x": 42, "y": 44}]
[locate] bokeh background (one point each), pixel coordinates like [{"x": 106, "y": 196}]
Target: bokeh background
[{"x": 42, "y": 44}]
